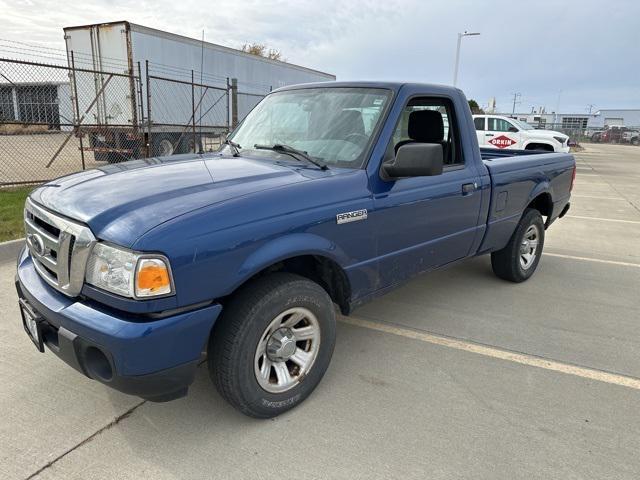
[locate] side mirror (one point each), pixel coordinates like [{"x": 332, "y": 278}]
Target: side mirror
[
  {"x": 513, "y": 129},
  {"x": 416, "y": 160}
]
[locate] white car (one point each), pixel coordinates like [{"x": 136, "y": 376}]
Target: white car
[{"x": 496, "y": 131}]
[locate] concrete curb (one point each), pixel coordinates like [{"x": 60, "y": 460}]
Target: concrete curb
[{"x": 9, "y": 250}]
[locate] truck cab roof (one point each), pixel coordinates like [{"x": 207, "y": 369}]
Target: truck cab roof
[{"x": 430, "y": 88}]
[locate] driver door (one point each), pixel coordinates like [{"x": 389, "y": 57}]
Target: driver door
[{"x": 428, "y": 221}]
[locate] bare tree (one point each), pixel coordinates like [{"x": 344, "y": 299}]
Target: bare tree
[{"x": 261, "y": 50}]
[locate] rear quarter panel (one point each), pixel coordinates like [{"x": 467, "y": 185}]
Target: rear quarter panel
[{"x": 516, "y": 181}]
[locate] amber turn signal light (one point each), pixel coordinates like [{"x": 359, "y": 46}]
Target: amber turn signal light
[{"x": 152, "y": 278}]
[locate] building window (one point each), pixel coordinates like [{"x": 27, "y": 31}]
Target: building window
[
  {"x": 6, "y": 104},
  {"x": 574, "y": 122},
  {"x": 39, "y": 104}
]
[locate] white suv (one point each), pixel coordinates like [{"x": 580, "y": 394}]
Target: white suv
[{"x": 495, "y": 131}]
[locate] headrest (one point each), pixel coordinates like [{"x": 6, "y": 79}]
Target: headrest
[
  {"x": 347, "y": 122},
  {"x": 426, "y": 126}
]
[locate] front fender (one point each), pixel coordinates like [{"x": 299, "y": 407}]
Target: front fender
[{"x": 288, "y": 246}]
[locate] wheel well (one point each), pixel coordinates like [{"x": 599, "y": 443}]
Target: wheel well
[
  {"x": 543, "y": 203},
  {"x": 539, "y": 146},
  {"x": 322, "y": 270}
]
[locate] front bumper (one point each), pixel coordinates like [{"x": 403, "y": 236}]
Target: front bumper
[{"x": 152, "y": 358}]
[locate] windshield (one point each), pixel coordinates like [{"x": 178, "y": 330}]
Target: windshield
[
  {"x": 332, "y": 125},
  {"x": 522, "y": 125}
]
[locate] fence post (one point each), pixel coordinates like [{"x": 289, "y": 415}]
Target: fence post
[
  {"x": 193, "y": 115},
  {"x": 234, "y": 103},
  {"x": 77, "y": 107},
  {"x": 228, "y": 121},
  {"x": 149, "y": 150},
  {"x": 140, "y": 94}
]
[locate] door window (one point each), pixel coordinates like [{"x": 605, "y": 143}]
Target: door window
[
  {"x": 450, "y": 137},
  {"x": 499, "y": 125},
  {"x": 479, "y": 123}
]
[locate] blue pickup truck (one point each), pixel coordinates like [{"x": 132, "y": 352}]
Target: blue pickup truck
[{"x": 326, "y": 195}]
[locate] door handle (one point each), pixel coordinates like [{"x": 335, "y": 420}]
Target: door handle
[
  {"x": 468, "y": 188},
  {"x": 488, "y": 134}
]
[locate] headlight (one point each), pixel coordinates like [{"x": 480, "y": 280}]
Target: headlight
[
  {"x": 127, "y": 273},
  {"x": 560, "y": 140}
]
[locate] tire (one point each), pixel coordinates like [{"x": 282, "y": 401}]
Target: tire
[
  {"x": 163, "y": 145},
  {"x": 189, "y": 144},
  {"x": 114, "y": 158},
  {"x": 510, "y": 263},
  {"x": 250, "y": 380}
]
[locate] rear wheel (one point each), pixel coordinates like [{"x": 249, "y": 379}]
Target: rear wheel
[
  {"x": 519, "y": 259},
  {"x": 163, "y": 145},
  {"x": 273, "y": 344}
]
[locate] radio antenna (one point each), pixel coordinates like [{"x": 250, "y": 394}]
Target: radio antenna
[{"x": 201, "y": 94}]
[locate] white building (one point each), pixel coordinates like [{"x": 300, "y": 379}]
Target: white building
[
  {"x": 576, "y": 121},
  {"x": 616, "y": 118},
  {"x": 44, "y": 103}
]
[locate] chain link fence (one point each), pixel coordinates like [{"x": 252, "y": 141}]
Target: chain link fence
[
  {"x": 629, "y": 135},
  {"x": 59, "y": 118},
  {"x": 582, "y": 133}
]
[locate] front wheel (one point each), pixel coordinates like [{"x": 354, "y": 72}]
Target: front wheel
[
  {"x": 273, "y": 344},
  {"x": 519, "y": 259}
]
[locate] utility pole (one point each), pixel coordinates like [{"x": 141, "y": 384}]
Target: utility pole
[
  {"x": 515, "y": 100},
  {"x": 556, "y": 116},
  {"x": 455, "y": 69},
  {"x": 590, "y": 107}
]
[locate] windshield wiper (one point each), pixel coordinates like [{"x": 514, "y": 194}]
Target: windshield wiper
[
  {"x": 292, "y": 152},
  {"x": 234, "y": 146}
]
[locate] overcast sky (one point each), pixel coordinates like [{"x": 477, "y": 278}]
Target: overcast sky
[{"x": 566, "y": 53}]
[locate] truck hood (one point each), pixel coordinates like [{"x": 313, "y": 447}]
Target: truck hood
[
  {"x": 547, "y": 133},
  {"x": 123, "y": 201}
]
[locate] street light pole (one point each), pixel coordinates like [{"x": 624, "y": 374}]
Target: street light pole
[{"x": 460, "y": 35}]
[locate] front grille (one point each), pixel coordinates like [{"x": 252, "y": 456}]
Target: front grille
[{"x": 59, "y": 248}]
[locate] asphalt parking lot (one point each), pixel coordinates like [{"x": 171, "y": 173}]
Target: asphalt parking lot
[{"x": 456, "y": 375}]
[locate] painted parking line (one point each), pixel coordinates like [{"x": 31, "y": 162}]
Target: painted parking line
[
  {"x": 493, "y": 352},
  {"x": 595, "y": 260},
  {"x": 599, "y": 198},
  {"x": 600, "y": 219}
]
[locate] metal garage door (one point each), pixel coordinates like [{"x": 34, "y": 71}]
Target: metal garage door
[{"x": 614, "y": 122}]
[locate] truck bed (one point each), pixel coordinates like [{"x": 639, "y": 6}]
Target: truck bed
[
  {"x": 493, "y": 153},
  {"x": 517, "y": 177}
]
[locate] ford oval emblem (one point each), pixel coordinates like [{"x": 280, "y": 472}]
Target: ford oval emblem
[{"x": 37, "y": 245}]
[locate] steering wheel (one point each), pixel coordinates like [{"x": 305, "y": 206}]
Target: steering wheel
[{"x": 358, "y": 138}]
